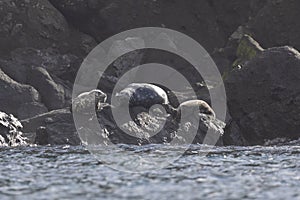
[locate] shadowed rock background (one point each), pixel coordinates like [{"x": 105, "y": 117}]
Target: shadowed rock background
[{"x": 43, "y": 42}]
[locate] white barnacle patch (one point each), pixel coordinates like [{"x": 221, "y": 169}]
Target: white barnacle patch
[{"x": 10, "y": 128}]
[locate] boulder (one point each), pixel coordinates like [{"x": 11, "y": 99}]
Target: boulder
[
  {"x": 55, "y": 128},
  {"x": 52, "y": 94},
  {"x": 239, "y": 49},
  {"x": 102, "y": 19},
  {"x": 231, "y": 14},
  {"x": 37, "y": 24},
  {"x": 276, "y": 24},
  {"x": 78, "y": 9},
  {"x": 247, "y": 49},
  {"x": 156, "y": 127},
  {"x": 14, "y": 70},
  {"x": 63, "y": 66},
  {"x": 14, "y": 95},
  {"x": 44, "y": 69},
  {"x": 232, "y": 133},
  {"x": 29, "y": 110},
  {"x": 263, "y": 96}
]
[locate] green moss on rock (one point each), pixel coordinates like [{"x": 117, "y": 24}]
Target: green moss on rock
[{"x": 247, "y": 49}]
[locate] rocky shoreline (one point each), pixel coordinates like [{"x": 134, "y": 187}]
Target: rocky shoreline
[{"x": 253, "y": 43}]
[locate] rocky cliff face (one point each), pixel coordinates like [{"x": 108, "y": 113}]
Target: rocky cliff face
[{"x": 43, "y": 42}]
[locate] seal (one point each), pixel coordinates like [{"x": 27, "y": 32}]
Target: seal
[
  {"x": 196, "y": 107},
  {"x": 140, "y": 97},
  {"x": 197, "y": 115},
  {"x": 42, "y": 135},
  {"x": 85, "y": 101},
  {"x": 143, "y": 95}
]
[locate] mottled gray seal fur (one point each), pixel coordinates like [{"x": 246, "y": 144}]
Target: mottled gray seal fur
[
  {"x": 142, "y": 94},
  {"x": 89, "y": 100}
]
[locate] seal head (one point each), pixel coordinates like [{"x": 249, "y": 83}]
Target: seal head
[
  {"x": 93, "y": 99},
  {"x": 196, "y": 107}
]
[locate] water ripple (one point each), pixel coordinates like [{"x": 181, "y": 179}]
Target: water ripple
[{"x": 64, "y": 172}]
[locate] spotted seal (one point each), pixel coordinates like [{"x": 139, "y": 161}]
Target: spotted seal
[
  {"x": 140, "y": 97},
  {"x": 192, "y": 113},
  {"x": 196, "y": 107},
  {"x": 86, "y": 101},
  {"x": 143, "y": 95}
]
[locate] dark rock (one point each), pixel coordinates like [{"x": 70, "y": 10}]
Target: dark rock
[
  {"x": 239, "y": 49},
  {"x": 263, "y": 96},
  {"x": 156, "y": 127},
  {"x": 62, "y": 69},
  {"x": 10, "y": 131},
  {"x": 28, "y": 110},
  {"x": 223, "y": 63},
  {"x": 37, "y": 24},
  {"x": 111, "y": 17},
  {"x": 232, "y": 133},
  {"x": 120, "y": 65},
  {"x": 232, "y": 13},
  {"x": 58, "y": 126},
  {"x": 277, "y": 24},
  {"x": 63, "y": 66},
  {"x": 102, "y": 19},
  {"x": 224, "y": 57},
  {"x": 67, "y": 87},
  {"x": 14, "y": 95},
  {"x": 14, "y": 70},
  {"x": 78, "y": 9},
  {"x": 247, "y": 49},
  {"x": 52, "y": 94}
]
